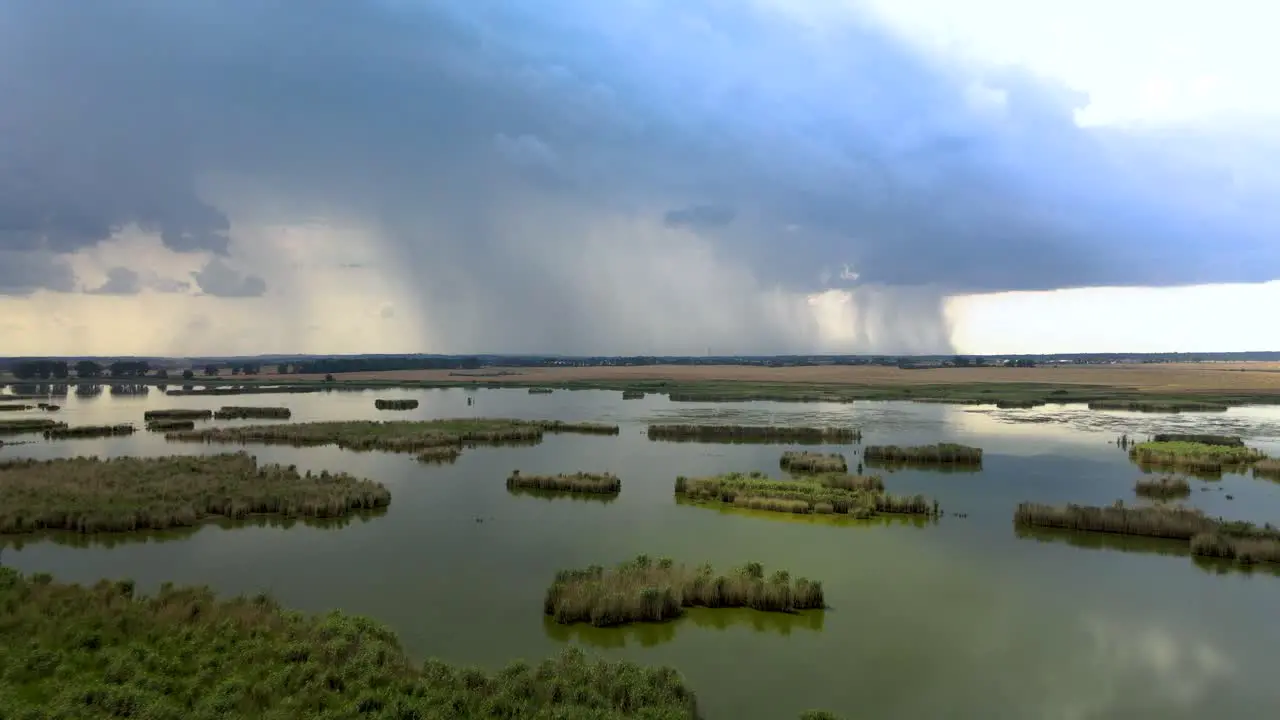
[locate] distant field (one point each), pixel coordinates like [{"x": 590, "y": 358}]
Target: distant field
[{"x": 1260, "y": 377}]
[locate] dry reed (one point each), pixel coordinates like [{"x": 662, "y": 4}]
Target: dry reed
[
  {"x": 177, "y": 414},
  {"x": 580, "y": 482},
  {"x": 1163, "y": 488},
  {"x": 856, "y": 496},
  {"x": 1269, "y": 468},
  {"x": 405, "y": 404},
  {"x": 89, "y": 431},
  {"x": 439, "y": 455},
  {"x": 250, "y": 412},
  {"x": 753, "y": 433},
  {"x": 170, "y": 425},
  {"x": 643, "y": 590},
  {"x": 28, "y": 425},
  {"x": 938, "y": 454},
  {"x": 813, "y": 463}
]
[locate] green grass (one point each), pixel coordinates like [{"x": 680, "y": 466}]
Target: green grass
[
  {"x": 1163, "y": 488},
  {"x": 421, "y": 437},
  {"x": 89, "y": 431},
  {"x": 856, "y": 496},
  {"x": 249, "y": 412},
  {"x": 89, "y": 495},
  {"x": 812, "y": 463},
  {"x": 1199, "y": 456},
  {"x": 68, "y": 651},
  {"x": 938, "y": 454},
  {"x": 581, "y": 482},
  {"x": 1224, "y": 440},
  {"x": 753, "y": 434},
  {"x": 644, "y": 590}
]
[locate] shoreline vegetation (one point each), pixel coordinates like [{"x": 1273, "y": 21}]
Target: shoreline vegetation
[
  {"x": 858, "y": 496},
  {"x": 647, "y": 590},
  {"x": 183, "y": 652},
  {"x": 754, "y": 434},
  {"x": 430, "y": 440},
  {"x": 633, "y": 394},
  {"x": 937, "y": 454},
  {"x": 252, "y": 412},
  {"x": 1194, "y": 456},
  {"x": 811, "y": 463},
  {"x": 1158, "y": 406},
  {"x": 402, "y": 404},
  {"x": 90, "y": 495},
  {"x": 579, "y": 482},
  {"x": 1243, "y": 542}
]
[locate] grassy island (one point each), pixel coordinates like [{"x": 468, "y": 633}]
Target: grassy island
[
  {"x": 813, "y": 463},
  {"x": 633, "y": 394},
  {"x": 89, "y": 495},
  {"x": 177, "y": 414},
  {"x": 580, "y": 482},
  {"x": 1163, "y": 488},
  {"x": 1210, "y": 537},
  {"x": 541, "y": 391},
  {"x": 19, "y": 426},
  {"x": 405, "y": 404},
  {"x": 754, "y": 434},
  {"x": 170, "y": 425},
  {"x": 1199, "y": 456},
  {"x": 249, "y": 412},
  {"x": 643, "y": 590},
  {"x": 856, "y": 496},
  {"x": 938, "y": 454},
  {"x": 89, "y": 431},
  {"x": 105, "y": 651}
]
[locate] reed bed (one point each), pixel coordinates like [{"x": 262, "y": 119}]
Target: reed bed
[
  {"x": 177, "y": 414},
  {"x": 1223, "y": 440},
  {"x": 754, "y": 433},
  {"x": 1159, "y": 406},
  {"x": 245, "y": 390},
  {"x": 1269, "y": 468},
  {"x": 28, "y": 425},
  {"x": 170, "y": 425},
  {"x": 407, "y": 404},
  {"x": 107, "y": 651},
  {"x": 90, "y": 495},
  {"x": 813, "y": 463},
  {"x": 441, "y": 455},
  {"x": 856, "y": 496},
  {"x": 938, "y": 454},
  {"x": 1163, "y": 488},
  {"x": 1206, "y": 536},
  {"x": 633, "y": 394},
  {"x": 419, "y": 437},
  {"x": 89, "y": 431},
  {"x": 126, "y": 390},
  {"x": 643, "y": 590},
  {"x": 579, "y": 482},
  {"x": 1193, "y": 455},
  {"x": 15, "y": 408},
  {"x": 252, "y": 412},
  {"x": 540, "y": 391}
]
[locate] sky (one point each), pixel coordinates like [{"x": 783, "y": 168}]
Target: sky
[{"x": 636, "y": 177}]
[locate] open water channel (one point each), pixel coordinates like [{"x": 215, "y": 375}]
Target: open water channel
[{"x": 961, "y": 618}]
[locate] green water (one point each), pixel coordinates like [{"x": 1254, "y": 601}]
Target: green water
[{"x": 960, "y": 619}]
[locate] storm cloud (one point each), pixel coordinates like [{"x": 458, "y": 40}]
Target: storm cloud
[{"x": 581, "y": 176}]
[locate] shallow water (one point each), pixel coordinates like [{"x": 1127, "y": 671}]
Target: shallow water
[{"x": 961, "y": 618}]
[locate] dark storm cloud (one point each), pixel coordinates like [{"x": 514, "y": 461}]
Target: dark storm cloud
[
  {"x": 487, "y": 140},
  {"x": 219, "y": 280},
  {"x": 22, "y": 273},
  {"x": 120, "y": 281}
]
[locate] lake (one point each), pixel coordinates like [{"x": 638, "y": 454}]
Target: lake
[{"x": 958, "y": 618}]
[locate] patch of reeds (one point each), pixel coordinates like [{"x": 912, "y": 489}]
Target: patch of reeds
[
  {"x": 633, "y": 394},
  {"x": 129, "y": 390},
  {"x": 246, "y": 390},
  {"x": 644, "y": 590},
  {"x": 540, "y": 391},
  {"x": 405, "y": 404},
  {"x": 90, "y": 495},
  {"x": 441, "y": 455},
  {"x": 170, "y": 425},
  {"x": 28, "y": 425},
  {"x": 938, "y": 454},
  {"x": 1204, "y": 457},
  {"x": 250, "y": 412},
  {"x": 1020, "y": 404},
  {"x": 48, "y": 407},
  {"x": 1223, "y": 440},
  {"x": 87, "y": 391},
  {"x": 108, "y": 651},
  {"x": 15, "y": 408},
  {"x": 853, "y": 495},
  {"x": 1159, "y": 406},
  {"x": 754, "y": 434},
  {"x": 1269, "y": 468},
  {"x": 89, "y": 431},
  {"x": 419, "y": 437},
  {"x": 813, "y": 463},
  {"x": 177, "y": 414},
  {"x": 1244, "y": 542},
  {"x": 580, "y": 482},
  {"x": 1163, "y": 488}
]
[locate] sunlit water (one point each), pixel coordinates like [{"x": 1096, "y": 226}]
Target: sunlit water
[{"x": 958, "y": 619}]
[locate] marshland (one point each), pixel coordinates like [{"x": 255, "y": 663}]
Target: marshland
[
  {"x": 649, "y": 589},
  {"x": 250, "y": 412},
  {"x": 456, "y": 565},
  {"x": 579, "y": 482},
  {"x": 856, "y": 496},
  {"x": 405, "y": 404},
  {"x": 1163, "y": 488},
  {"x": 1202, "y": 456},
  {"x": 813, "y": 463},
  {"x": 935, "y": 454}
]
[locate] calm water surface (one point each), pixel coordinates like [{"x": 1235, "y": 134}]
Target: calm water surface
[{"x": 961, "y": 618}]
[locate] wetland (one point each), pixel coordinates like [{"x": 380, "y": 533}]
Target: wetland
[{"x": 960, "y": 614}]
